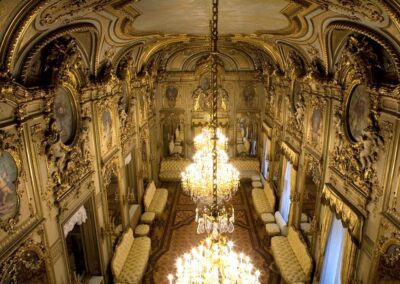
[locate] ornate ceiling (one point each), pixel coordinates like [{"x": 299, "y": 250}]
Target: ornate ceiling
[
  {"x": 174, "y": 33},
  {"x": 192, "y": 17}
]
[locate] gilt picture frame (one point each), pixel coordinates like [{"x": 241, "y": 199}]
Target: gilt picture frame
[{"x": 358, "y": 110}]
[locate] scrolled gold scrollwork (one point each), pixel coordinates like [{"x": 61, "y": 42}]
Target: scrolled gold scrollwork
[{"x": 27, "y": 263}]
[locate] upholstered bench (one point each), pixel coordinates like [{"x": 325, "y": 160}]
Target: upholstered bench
[
  {"x": 263, "y": 199},
  {"x": 292, "y": 257},
  {"x": 148, "y": 218},
  {"x": 142, "y": 230},
  {"x": 130, "y": 259},
  {"x": 171, "y": 169},
  {"x": 255, "y": 178},
  {"x": 256, "y": 184},
  {"x": 272, "y": 230},
  {"x": 247, "y": 167},
  {"x": 155, "y": 199},
  {"x": 267, "y": 218}
]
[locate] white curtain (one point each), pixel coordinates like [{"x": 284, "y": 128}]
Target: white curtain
[
  {"x": 332, "y": 264},
  {"x": 265, "y": 165},
  {"x": 285, "y": 197},
  {"x": 78, "y": 218}
]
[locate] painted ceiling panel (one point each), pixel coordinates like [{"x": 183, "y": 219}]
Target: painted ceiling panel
[{"x": 192, "y": 16}]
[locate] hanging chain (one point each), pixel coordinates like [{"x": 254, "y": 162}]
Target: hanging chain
[{"x": 214, "y": 84}]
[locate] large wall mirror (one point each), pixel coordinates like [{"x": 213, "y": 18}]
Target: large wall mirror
[
  {"x": 130, "y": 179},
  {"x": 308, "y": 204},
  {"x": 81, "y": 244},
  {"x": 114, "y": 209}
]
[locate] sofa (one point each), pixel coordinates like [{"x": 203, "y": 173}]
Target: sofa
[
  {"x": 247, "y": 167},
  {"x": 171, "y": 169},
  {"x": 263, "y": 199},
  {"x": 131, "y": 255},
  {"x": 155, "y": 199},
  {"x": 292, "y": 257}
]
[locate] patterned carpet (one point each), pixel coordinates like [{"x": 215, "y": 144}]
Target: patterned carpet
[{"x": 176, "y": 234}]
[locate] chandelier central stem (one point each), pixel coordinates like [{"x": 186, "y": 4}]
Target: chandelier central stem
[{"x": 214, "y": 117}]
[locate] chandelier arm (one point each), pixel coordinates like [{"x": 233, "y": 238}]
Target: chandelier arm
[{"x": 214, "y": 118}]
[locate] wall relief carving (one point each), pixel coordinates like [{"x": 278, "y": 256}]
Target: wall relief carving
[
  {"x": 171, "y": 93},
  {"x": 26, "y": 265},
  {"x": 358, "y": 10},
  {"x": 126, "y": 111},
  {"x": 202, "y": 96},
  {"x": 53, "y": 62},
  {"x": 62, "y": 11},
  {"x": 314, "y": 168},
  {"x": 68, "y": 159},
  {"x": 249, "y": 95}
]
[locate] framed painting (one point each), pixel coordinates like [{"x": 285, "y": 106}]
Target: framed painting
[
  {"x": 316, "y": 126},
  {"x": 358, "y": 111},
  {"x": 65, "y": 115},
  {"x": 107, "y": 131},
  {"x": 295, "y": 89},
  {"x": 9, "y": 199}
]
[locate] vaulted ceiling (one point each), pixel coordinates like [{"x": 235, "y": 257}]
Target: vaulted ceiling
[{"x": 174, "y": 33}]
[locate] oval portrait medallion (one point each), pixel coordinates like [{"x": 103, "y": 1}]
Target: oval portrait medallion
[
  {"x": 65, "y": 115},
  {"x": 358, "y": 111}
]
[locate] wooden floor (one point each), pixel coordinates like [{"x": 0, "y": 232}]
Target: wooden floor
[{"x": 176, "y": 234}]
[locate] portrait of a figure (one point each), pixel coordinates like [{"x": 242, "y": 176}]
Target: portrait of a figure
[
  {"x": 8, "y": 194},
  {"x": 358, "y": 111},
  {"x": 64, "y": 114}
]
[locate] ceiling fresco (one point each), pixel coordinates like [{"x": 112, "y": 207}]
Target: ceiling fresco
[{"x": 192, "y": 17}]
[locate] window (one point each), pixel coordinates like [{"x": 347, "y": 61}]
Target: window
[
  {"x": 332, "y": 264},
  {"x": 285, "y": 197},
  {"x": 265, "y": 160}
]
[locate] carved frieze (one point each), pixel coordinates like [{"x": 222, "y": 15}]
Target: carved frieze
[
  {"x": 366, "y": 10},
  {"x": 126, "y": 111},
  {"x": 314, "y": 168},
  {"x": 64, "y": 10}
]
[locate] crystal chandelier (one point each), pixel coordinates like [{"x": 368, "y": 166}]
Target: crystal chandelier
[
  {"x": 197, "y": 179},
  {"x": 204, "y": 140},
  {"x": 214, "y": 261},
  {"x": 221, "y": 223},
  {"x": 211, "y": 181}
]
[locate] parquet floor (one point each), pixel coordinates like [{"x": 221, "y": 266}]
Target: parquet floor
[{"x": 176, "y": 234}]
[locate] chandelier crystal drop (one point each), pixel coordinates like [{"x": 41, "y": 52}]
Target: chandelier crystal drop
[
  {"x": 222, "y": 223},
  {"x": 214, "y": 261}
]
